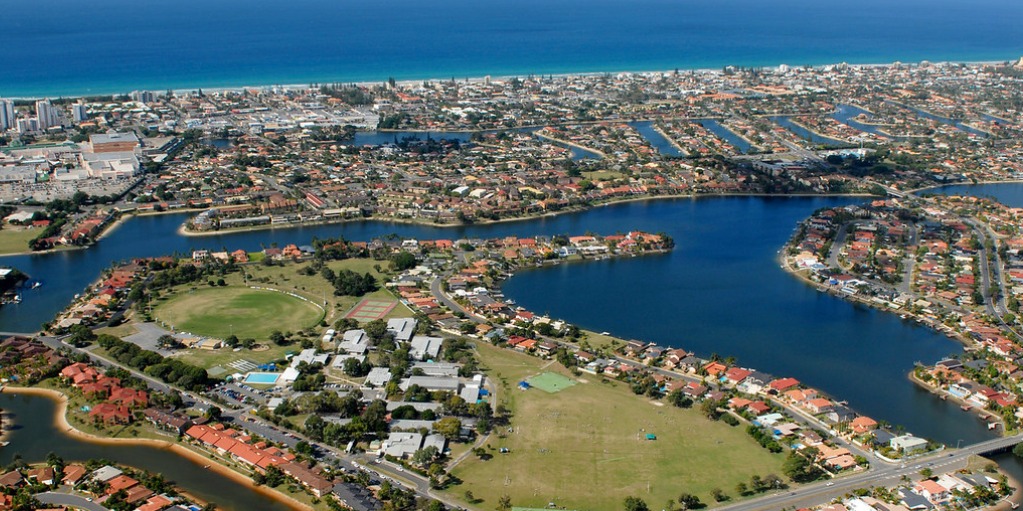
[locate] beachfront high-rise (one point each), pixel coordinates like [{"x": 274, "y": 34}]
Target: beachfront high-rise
[
  {"x": 7, "y": 118},
  {"x": 79, "y": 112},
  {"x": 46, "y": 114}
]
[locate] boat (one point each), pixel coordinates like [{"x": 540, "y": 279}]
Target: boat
[
  {"x": 966, "y": 408},
  {"x": 992, "y": 425}
]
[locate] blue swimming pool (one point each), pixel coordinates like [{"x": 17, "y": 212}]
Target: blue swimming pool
[{"x": 262, "y": 378}]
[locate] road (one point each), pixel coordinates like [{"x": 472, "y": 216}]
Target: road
[
  {"x": 879, "y": 475},
  {"x": 69, "y": 499}
]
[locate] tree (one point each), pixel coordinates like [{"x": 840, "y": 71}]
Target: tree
[
  {"x": 800, "y": 468},
  {"x": 689, "y": 501},
  {"x": 718, "y": 495},
  {"x": 403, "y": 261},
  {"x": 449, "y": 427},
  {"x": 423, "y": 457},
  {"x": 635, "y": 504},
  {"x": 679, "y": 399},
  {"x": 1018, "y": 450},
  {"x": 167, "y": 341},
  {"x": 278, "y": 338},
  {"x": 214, "y": 413},
  {"x": 504, "y": 503}
]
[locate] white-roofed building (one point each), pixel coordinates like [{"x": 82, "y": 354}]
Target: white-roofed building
[
  {"x": 378, "y": 376},
  {"x": 437, "y": 368},
  {"x": 425, "y": 347},
  {"x": 402, "y": 328},
  {"x": 432, "y": 383},
  {"x": 400, "y": 445},
  {"x": 309, "y": 356},
  {"x": 289, "y": 376}
]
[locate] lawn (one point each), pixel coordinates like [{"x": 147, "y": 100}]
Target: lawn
[
  {"x": 15, "y": 239},
  {"x": 585, "y": 448},
  {"x": 317, "y": 288},
  {"x": 241, "y": 311},
  {"x": 208, "y": 359}
]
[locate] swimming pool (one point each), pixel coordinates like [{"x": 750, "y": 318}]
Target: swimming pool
[{"x": 262, "y": 378}]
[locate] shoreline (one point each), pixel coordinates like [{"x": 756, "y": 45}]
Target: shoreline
[
  {"x": 572, "y": 209},
  {"x": 61, "y": 422},
  {"x": 504, "y": 75}
]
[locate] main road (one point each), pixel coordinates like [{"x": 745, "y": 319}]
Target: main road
[{"x": 878, "y": 475}]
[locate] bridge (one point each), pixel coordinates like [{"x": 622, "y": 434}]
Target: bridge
[{"x": 993, "y": 446}]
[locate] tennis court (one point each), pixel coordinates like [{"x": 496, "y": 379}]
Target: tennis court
[
  {"x": 369, "y": 310},
  {"x": 550, "y": 382}
]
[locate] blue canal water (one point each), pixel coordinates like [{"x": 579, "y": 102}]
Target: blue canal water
[
  {"x": 1010, "y": 194},
  {"x": 122, "y": 45},
  {"x": 658, "y": 141},
  {"x": 846, "y": 113},
  {"x": 944, "y": 120},
  {"x": 726, "y": 134},
  {"x": 804, "y": 133},
  {"x": 721, "y": 291}
]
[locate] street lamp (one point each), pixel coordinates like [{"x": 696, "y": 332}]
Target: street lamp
[{"x": 959, "y": 442}]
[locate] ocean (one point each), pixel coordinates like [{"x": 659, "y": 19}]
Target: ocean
[{"x": 55, "y": 47}]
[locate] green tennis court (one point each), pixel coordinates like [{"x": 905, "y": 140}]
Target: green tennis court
[{"x": 550, "y": 382}]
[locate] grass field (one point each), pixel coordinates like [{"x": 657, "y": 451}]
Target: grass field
[
  {"x": 585, "y": 448},
  {"x": 244, "y": 312},
  {"x": 15, "y": 239},
  {"x": 317, "y": 288}
]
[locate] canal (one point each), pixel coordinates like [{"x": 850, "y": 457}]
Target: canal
[{"x": 34, "y": 435}]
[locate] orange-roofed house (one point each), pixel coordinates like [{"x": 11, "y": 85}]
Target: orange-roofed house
[
  {"x": 819, "y": 405},
  {"x": 715, "y": 368},
  {"x": 783, "y": 384},
  {"x": 155, "y": 503},
  {"x": 121, "y": 482},
  {"x": 129, "y": 397},
  {"x": 863, "y": 424}
]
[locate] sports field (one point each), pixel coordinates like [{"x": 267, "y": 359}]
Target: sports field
[
  {"x": 241, "y": 311},
  {"x": 585, "y": 447}
]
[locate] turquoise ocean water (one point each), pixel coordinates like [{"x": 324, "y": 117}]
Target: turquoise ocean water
[{"x": 55, "y": 47}]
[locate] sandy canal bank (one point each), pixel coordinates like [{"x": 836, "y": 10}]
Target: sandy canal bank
[{"x": 61, "y": 422}]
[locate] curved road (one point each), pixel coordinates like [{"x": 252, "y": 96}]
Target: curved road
[{"x": 69, "y": 499}]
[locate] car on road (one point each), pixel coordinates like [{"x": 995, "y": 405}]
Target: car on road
[{"x": 830, "y": 483}]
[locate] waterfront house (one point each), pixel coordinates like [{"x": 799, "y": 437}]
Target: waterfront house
[
  {"x": 11, "y": 479},
  {"x": 839, "y": 414},
  {"x": 109, "y": 413},
  {"x": 73, "y": 474},
  {"x": 311, "y": 478},
  {"x": 782, "y": 385},
  {"x": 908, "y": 443},
  {"x": 819, "y": 405},
  {"x": 863, "y": 424},
  {"x": 736, "y": 375},
  {"x": 168, "y": 421},
  {"x": 42, "y": 475},
  {"x": 713, "y": 369}
]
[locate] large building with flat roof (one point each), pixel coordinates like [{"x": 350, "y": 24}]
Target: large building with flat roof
[{"x": 114, "y": 142}]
